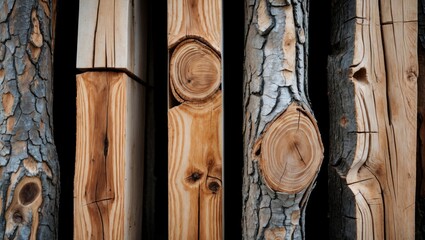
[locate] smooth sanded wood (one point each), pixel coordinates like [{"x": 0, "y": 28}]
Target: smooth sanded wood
[
  {"x": 283, "y": 151},
  {"x": 111, "y": 35},
  {"x": 195, "y": 120},
  {"x": 195, "y": 71},
  {"x": 373, "y": 99},
  {"x": 291, "y": 151},
  {"x": 194, "y": 19},
  {"x": 195, "y": 170},
  {"x": 29, "y": 166},
  {"x": 109, "y": 159}
]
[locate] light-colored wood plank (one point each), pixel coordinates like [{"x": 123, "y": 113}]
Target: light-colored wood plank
[
  {"x": 376, "y": 154},
  {"x": 110, "y": 35},
  {"x": 195, "y": 120},
  {"x": 109, "y": 159},
  {"x": 194, "y": 18},
  {"x": 195, "y": 165}
]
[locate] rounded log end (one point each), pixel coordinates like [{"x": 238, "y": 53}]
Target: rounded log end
[
  {"x": 195, "y": 71},
  {"x": 291, "y": 151}
]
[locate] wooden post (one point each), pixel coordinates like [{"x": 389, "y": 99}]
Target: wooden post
[
  {"x": 108, "y": 183},
  {"x": 373, "y": 100},
  {"x": 195, "y": 120},
  {"x": 283, "y": 150},
  {"x": 29, "y": 169}
]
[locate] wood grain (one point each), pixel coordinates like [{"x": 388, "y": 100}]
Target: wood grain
[
  {"x": 374, "y": 71},
  {"x": 291, "y": 151},
  {"x": 194, "y": 19},
  {"x": 111, "y": 35},
  {"x": 195, "y": 170},
  {"x": 109, "y": 159},
  {"x": 283, "y": 151},
  {"x": 195, "y": 120},
  {"x": 195, "y": 71}
]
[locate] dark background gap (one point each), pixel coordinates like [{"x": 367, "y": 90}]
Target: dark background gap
[{"x": 155, "y": 219}]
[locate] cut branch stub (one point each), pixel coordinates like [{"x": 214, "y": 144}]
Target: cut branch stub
[
  {"x": 291, "y": 151},
  {"x": 195, "y": 71}
]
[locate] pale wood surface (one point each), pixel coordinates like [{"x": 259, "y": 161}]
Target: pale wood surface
[
  {"x": 283, "y": 151},
  {"x": 373, "y": 71},
  {"x": 195, "y": 71},
  {"x": 194, "y": 18},
  {"x": 110, "y": 35},
  {"x": 29, "y": 166},
  {"x": 109, "y": 159},
  {"x": 195, "y": 120},
  {"x": 195, "y": 170}
]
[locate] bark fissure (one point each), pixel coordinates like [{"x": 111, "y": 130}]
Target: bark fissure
[
  {"x": 29, "y": 159},
  {"x": 276, "y": 104}
]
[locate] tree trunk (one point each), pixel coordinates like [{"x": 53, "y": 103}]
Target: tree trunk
[
  {"x": 29, "y": 166},
  {"x": 283, "y": 150},
  {"x": 373, "y": 93},
  {"x": 195, "y": 120}
]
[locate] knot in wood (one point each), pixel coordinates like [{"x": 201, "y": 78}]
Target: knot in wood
[
  {"x": 291, "y": 151},
  {"x": 213, "y": 186},
  {"x": 195, "y": 71},
  {"x": 29, "y": 193},
  {"x": 17, "y": 217}
]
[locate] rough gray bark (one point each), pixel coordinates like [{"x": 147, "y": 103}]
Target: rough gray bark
[
  {"x": 275, "y": 76},
  {"x": 29, "y": 170}
]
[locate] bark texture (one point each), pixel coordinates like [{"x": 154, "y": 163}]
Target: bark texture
[
  {"x": 29, "y": 170},
  {"x": 282, "y": 146}
]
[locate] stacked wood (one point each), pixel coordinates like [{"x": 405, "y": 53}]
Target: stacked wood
[
  {"x": 373, "y": 73},
  {"x": 108, "y": 181},
  {"x": 283, "y": 150},
  {"x": 29, "y": 169},
  {"x": 195, "y": 120}
]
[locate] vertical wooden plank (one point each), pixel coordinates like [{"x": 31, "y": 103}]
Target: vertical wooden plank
[
  {"x": 373, "y": 70},
  {"x": 195, "y": 120},
  {"x": 109, "y": 159},
  {"x": 110, "y": 125},
  {"x": 110, "y": 35}
]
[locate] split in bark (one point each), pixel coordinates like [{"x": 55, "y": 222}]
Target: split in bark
[{"x": 283, "y": 150}]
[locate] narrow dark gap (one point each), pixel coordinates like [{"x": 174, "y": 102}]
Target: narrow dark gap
[
  {"x": 233, "y": 53},
  {"x": 64, "y": 108},
  {"x": 317, "y": 220},
  {"x": 158, "y": 62}
]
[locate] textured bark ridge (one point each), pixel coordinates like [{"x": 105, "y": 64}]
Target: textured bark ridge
[
  {"x": 29, "y": 170},
  {"x": 283, "y": 150},
  {"x": 373, "y": 100}
]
